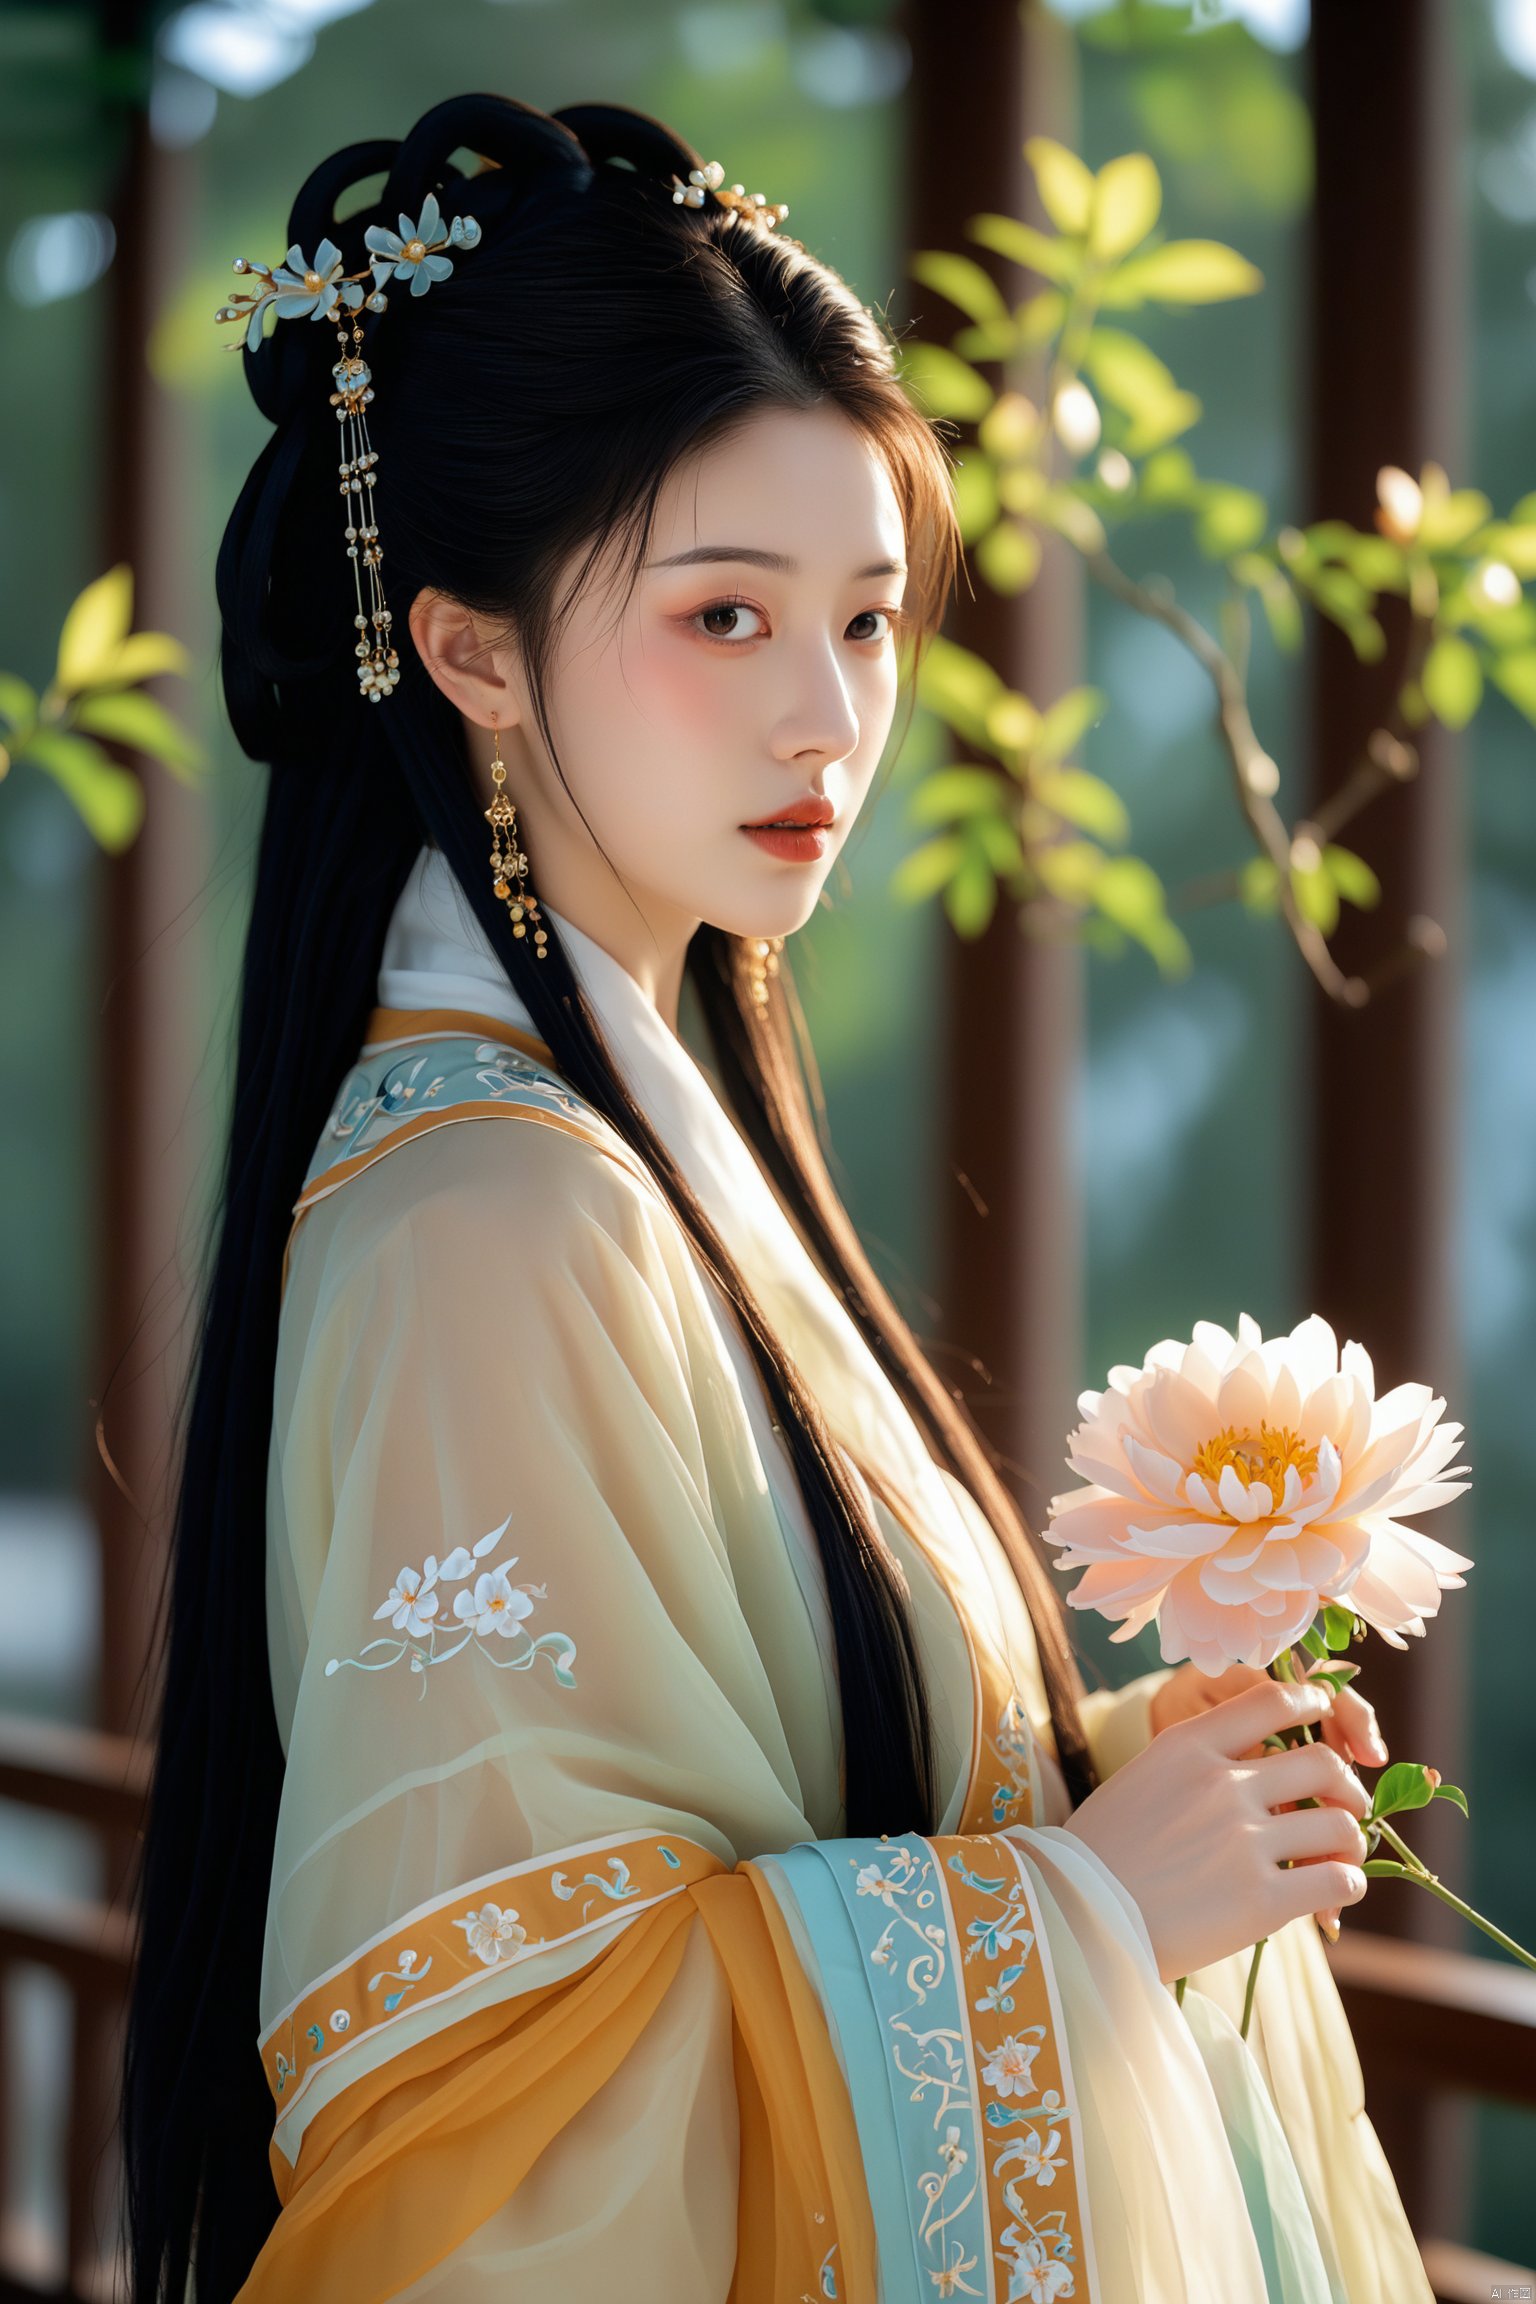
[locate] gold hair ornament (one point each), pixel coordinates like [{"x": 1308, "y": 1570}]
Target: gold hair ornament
[
  {"x": 762, "y": 962},
  {"x": 299, "y": 290},
  {"x": 509, "y": 866},
  {"x": 710, "y": 178}
]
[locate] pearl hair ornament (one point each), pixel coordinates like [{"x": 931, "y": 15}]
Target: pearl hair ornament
[{"x": 710, "y": 178}]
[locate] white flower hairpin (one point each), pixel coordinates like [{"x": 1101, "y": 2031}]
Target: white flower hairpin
[
  {"x": 711, "y": 178},
  {"x": 299, "y": 290}
]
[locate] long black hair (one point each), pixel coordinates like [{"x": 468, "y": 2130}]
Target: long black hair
[{"x": 529, "y": 411}]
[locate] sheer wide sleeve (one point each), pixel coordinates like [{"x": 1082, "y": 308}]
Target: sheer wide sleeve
[{"x": 572, "y": 1985}]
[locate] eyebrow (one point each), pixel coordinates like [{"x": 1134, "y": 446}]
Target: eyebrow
[{"x": 777, "y": 561}]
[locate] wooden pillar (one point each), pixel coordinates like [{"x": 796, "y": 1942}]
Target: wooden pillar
[
  {"x": 1011, "y": 1264},
  {"x": 1389, "y": 324},
  {"x": 147, "y": 1022}
]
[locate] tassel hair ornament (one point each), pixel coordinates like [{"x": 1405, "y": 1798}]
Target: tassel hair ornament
[{"x": 297, "y": 289}]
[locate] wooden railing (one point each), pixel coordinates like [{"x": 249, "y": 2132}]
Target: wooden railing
[
  {"x": 101, "y": 1781},
  {"x": 1424, "y": 2019}
]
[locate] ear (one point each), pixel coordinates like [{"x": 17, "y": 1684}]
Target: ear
[{"x": 475, "y": 670}]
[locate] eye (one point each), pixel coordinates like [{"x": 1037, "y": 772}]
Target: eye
[
  {"x": 726, "y": 608},
  {"x": 895, "y": 620}
]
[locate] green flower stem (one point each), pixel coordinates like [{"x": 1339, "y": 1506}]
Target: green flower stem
[
  {"x": 1424, "y": 1878},
  {"x": 1253, "y": 1977}
]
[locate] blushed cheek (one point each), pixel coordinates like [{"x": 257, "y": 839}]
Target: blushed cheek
[{"x": 678, "y": 692}]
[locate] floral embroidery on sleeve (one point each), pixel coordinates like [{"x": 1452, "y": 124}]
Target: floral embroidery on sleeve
[{"x": 491, "y": 1608}]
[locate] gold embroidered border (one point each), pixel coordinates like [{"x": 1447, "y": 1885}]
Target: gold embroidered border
[
  {"x": 1030, "y": 2128},
  {"x": 484, "y": 1925}
]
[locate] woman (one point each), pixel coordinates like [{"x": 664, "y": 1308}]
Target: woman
[{"x": 627, "y": 1818}]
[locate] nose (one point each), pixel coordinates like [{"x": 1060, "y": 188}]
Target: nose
[{"x": 822, "y": 722}]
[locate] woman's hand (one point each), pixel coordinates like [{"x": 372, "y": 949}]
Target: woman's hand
[
  {"x": 1350, "y": 1728},
  {"x": 1204, "y": 1831}
]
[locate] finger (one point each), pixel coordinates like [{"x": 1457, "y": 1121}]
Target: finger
[
  {"x": 1324, "y": 1887},
  {"x": 1357, "y": 1721},
  {"x": 1304, "y": 1835},
  {"x": 1242, "y": 1721},
  {"x": 1310, "y": 1772}
]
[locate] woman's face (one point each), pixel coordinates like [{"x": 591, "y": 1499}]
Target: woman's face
[{"x": 753, "y": 667}]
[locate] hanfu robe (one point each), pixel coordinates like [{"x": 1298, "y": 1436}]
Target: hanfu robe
[{"x": 575, "y": 1985}]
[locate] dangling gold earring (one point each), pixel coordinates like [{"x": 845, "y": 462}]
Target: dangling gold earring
[
  {"x": 502, "y": 818},
  {"x": 762, "y": 962}
]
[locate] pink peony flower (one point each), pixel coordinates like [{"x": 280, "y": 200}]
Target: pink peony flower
[{"x": 1239, "y": 1485}]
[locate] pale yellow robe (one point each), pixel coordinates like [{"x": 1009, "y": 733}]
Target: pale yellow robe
[{"x": 499, "y": 1322}]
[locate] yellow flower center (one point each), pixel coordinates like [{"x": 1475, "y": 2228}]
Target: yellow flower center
[
  {"x": 312, "y": 281},
  {"x": 1266, "y": 1455},
  {"x": 415, "y": 249}
]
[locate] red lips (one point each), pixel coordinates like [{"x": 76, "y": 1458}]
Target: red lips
[{"x": 814, "y": 808}]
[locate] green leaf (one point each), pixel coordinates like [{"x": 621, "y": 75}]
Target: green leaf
[
  {"x": 1072, "y": 516},
  {"x": 109, "y": 799},
  {"x": 963, "y": 281},
  {"x": 1513, "y": 542},
  {"x": 1000, "y": 844},
  {"x": 970, "y": 899},
  {"x": 947, "y": 385},
  {"x": 1127, "y": 204},
  {"x": 1065, "y": 184},
  {"x": 1040, "y": 318},
  {"x": 1515, "y": 674},
  {"x": 134, "y": 718},
  {"x": 144, "y": 656},
  {"x": 1378, "y": 563},
  {"x": 1450, "y": 520},
  {"x": 1010, "y": 427},
  {"x": 1402, "y": 1786},
  {"x": 1317, "y": 899},
  {"x": 18, "y": 702},
  {"x": 1154, "y": 427},
  {"x": 1011, "y": 723},
  {"x": 924, "y": 872},
  {"x": 1182, "y": 272},
  {"x": 1452, "y": 680},
  {"x": 1338, "y": 1627},
  {"x": 1229, "y": 519},
  {"x": 975, "y": 485},
  {"x": 949, "y": 793},
  {"x": 959, "y": 685},
  {"x": 1169, "y": 478},
  {"x": 1454, "y": 1793},
  {"x": 1128, "y": 892},
  {"x": 94, "y": 630},
  {"x": 1008, "y": 556},
  {"x": 1068, "y": 721},
  {"x": 1083, "y": 800},
  {"x": 1128, "y": 374},
  {"x": 1053, "y": 259},
  {"x": 1314, "y": 1643},
  {"x": 1259, "y": 884},
  {"x": 992, "y": 340},
  {"x": 1352, "y": 876},
  {"x": 1069, "y": 869},
  {"x": 1383, "y": 1868}
]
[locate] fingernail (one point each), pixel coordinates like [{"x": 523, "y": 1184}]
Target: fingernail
[
  {"x": 1329, "y": 1924},
  {"x": 1376, "y": 1745}
]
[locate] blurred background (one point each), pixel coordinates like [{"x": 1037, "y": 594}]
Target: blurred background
[{"x": 1058, "y": 1149}]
